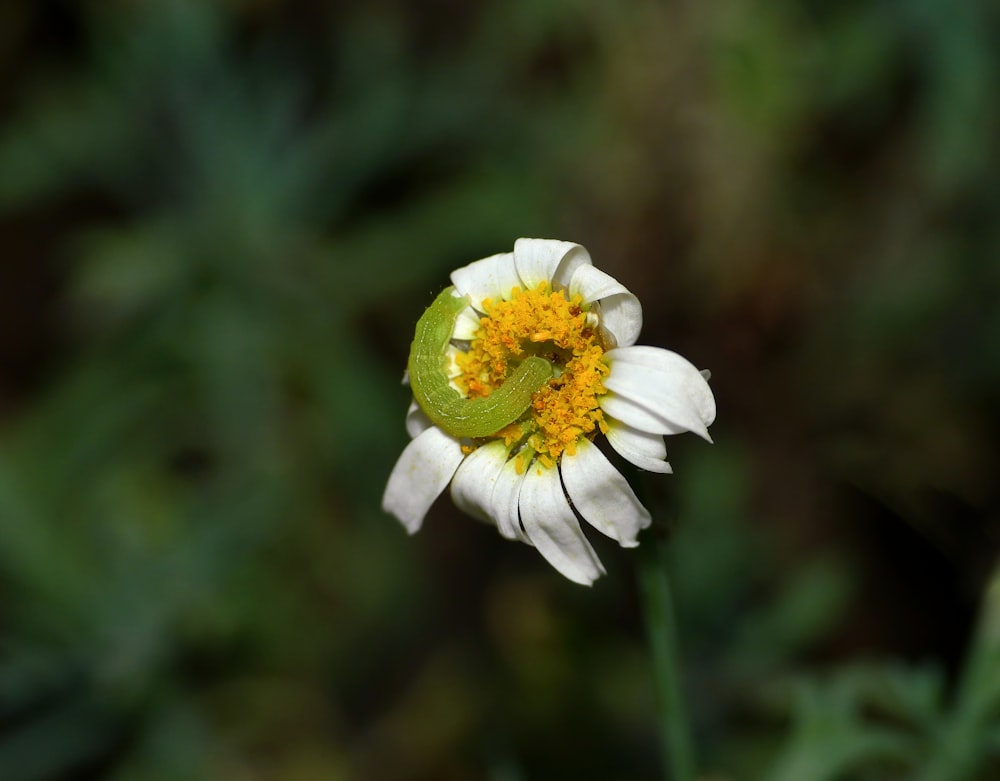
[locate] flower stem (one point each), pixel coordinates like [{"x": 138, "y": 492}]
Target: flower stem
[{"x": 674, "y": 732}]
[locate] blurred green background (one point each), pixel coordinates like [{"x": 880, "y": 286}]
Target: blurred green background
[{"x": 219, "y": 222}]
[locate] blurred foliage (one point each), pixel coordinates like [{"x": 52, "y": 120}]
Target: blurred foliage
[{"x": 219, "y": 223}]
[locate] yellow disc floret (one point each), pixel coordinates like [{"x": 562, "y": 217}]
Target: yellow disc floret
[{"x": 546, "y": 323}]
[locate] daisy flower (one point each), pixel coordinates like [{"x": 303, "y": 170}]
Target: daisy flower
[{"x": 536, "y": 476}]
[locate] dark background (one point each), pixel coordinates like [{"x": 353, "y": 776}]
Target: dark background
[{"x": 218, "y": 224}]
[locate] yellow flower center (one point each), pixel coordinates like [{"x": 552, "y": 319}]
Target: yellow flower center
[{"x": 546, "y": 323}]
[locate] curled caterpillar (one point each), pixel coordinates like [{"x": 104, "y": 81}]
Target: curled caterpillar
[{"x": 445, "y": 406}]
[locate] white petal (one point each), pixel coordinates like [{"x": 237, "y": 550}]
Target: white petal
[
  {"x": 548, "y": 260},
  {"x": 552, "y": 526},
  {"x": 416, "y": 421},
  {"x": 694, "y": 381},
  {"x": 621, "y": 312},
  {"x": 637, "y": 416},
  {"x": 622, "y": 316},
  {"x": 466, "y": 324},
  {"x": 506, "y": 494},
  {"x": 492, "y": 277},
  {"x": 602, "y": 495},
  {"x": 472, "y": 486},
  {"x": 663, "y": 383},
  {"x": 420, "y": 475},
  {"x": 645, "y": 450},
  {"x": 451, "y": 367}
]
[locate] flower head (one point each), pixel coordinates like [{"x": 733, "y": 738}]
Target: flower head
[{"x": 474, "y": 366}]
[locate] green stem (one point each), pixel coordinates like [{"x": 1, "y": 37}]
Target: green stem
[{"x": 675, "y": 734}]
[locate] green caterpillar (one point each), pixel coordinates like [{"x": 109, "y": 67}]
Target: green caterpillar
[{"x": 446, "y": 407}]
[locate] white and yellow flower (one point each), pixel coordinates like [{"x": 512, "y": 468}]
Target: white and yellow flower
[{"x": 534, "y": 478}]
